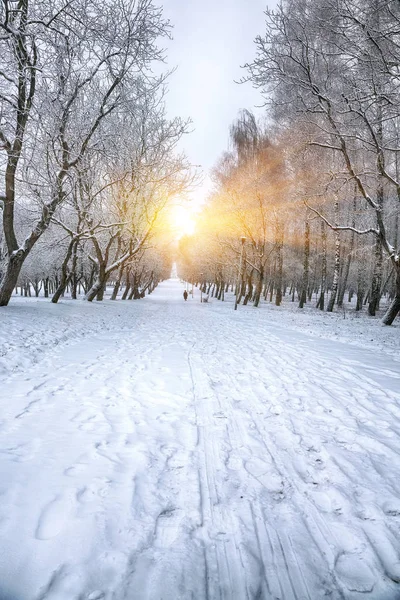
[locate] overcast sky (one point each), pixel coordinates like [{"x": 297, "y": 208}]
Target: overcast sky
[{"x": 212, "y": 39}]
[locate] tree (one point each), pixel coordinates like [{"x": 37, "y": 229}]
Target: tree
[
  {"x": 67, "y": 66},
  {"x": 336, "y": 66}
]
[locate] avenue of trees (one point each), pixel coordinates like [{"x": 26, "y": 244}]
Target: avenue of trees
[
  {"x": 88, "y": 161},
  {"x": 315, "y": 187}
]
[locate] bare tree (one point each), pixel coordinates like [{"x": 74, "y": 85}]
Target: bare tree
[
  {"x": 66, "y": 67},
  {"x": 337, "y": 65}
]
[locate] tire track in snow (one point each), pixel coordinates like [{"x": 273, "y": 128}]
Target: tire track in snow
[
  {"x": 218, "y": 528},
  {"x": 278, "y": 579},
  {"x": 280, "y": 369}
]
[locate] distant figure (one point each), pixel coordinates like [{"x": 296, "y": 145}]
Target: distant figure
[{"x": 185, "y": 295}]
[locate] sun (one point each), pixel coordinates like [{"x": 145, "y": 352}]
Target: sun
[{"x": 182, "y": 221}]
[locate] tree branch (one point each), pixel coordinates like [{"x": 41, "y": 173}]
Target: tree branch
[{"x": 342, "y": 227}]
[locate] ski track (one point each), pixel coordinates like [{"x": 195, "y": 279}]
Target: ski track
[{"x": 194, "y": 457}]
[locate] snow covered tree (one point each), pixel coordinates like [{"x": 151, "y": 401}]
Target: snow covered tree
[
  {"x": 64, "y": 70},
  {"x": 335, "y": 67}
]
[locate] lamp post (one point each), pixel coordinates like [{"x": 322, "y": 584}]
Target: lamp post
[
  {"x": 242, "y": 239},
  {"x": 201, "y": 287}
]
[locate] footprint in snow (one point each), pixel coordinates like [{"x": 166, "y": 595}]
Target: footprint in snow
[
  {"x": 82, "y": 416},
  {"x": 267, "y": 477},
  {"x": 54, "y": 516},
  {"x": 96, "y": 489},
  {"x": 167, "y": 417},
  {"x": 167, "y": 527},
  {"x": 301, "y": 468},
  {"x": 96, "y": 595},
  {"x": 391, "y": 508},
  {"x": 368, "y": 513},
  {"x": 234, "y": 462},
  {"x": 355, "y": 573},
  {"x": 219, "y": 415},
  {"x": 257, "y": 467},
  {"x": 23, "y": 452},
  {"x": 322, "y": 501},
  {"x": 74, "y": 470},
  {"x": 84, "y": 460},
  {"x": 319, "y": 464},
  {"x": 87, "y": 426}
]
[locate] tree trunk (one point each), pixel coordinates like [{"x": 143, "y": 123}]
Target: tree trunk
[
  {"x": 279, "y": 263},
  {"x": 127, "y": 284},
  {"x": 126, "y": 291},
  {"x": 133, "y": 287},
  {"x": 259, "y": 287},
  {"x": 272, "y": 282},
  {"x": 346, "y": 271},
  {"x": 321, "y": 299},
  {"x": 242, "y": 288},
  {"x": 336, "y": 272},
  {"x": 306, "y": 262},
  {"x": 221, "y": 289},
  {"x": 97, "y": 289},
  {"x": 394, "y": 308},
  {"x": 37, "y": 286},
  {"x": 376, "y": 279},
  {"x": 74, "y": 276},
  {"x": 46, "y": 287},
  {"x": 346, "y": 268},
  {"x": 10, "y": 278},
  {"x": 100, "y": 293},
  {"x": 249, "y": 289},
  {"x": 360, "y": 284},
  {"x": 118, "y": 282},
  {"x": 64, "y": 273}
]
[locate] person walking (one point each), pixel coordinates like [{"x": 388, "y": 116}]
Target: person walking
[{"x": 185, "y": 295}]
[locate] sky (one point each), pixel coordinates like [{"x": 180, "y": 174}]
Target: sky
[{"x": 211, "y": 40}]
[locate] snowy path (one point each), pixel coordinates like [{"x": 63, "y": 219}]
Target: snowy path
[{"x": 195, "y": 457}]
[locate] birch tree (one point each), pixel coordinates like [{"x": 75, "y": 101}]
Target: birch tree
[{"x": 335, "y": 65}]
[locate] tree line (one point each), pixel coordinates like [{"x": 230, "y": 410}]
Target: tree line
[
  {"x": 306, "y": 201},
  {"x": 88, "y": 159}
]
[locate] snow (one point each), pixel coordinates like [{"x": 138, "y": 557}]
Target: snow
[{"x": 165, "y": 450}]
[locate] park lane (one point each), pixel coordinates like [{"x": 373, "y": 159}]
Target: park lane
[{"x": 203, "y": 454}]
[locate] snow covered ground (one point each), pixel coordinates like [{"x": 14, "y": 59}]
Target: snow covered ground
[{"x": 163, "y": 450}]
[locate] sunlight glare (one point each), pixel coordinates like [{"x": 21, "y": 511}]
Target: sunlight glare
[{"x": 183, "y": 221}]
